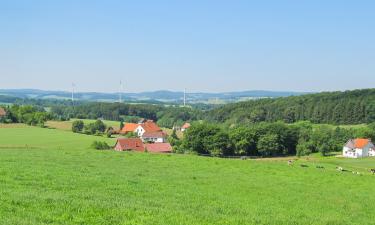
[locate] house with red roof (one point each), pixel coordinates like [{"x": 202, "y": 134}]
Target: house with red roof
[
  {"x": 129, "y": 127},
  {"x": 359, "y": 148},
  {"x": 128, "y": 144},
  {"x": 185, "y": 127},
  {"x": 159, "y": 148},
  {"x": 136, "y": 144},
  {"x": 3, "y": 113},
  {"x": 148, "y": 126}
]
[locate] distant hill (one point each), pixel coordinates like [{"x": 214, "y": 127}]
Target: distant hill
[
  {"x": 348, "y": 107},
  {"x": 159, "y": 96}
]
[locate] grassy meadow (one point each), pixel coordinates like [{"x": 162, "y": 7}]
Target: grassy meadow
[
  {"x": 49, "y": 176},
  {"x": 67, "y": 125}
]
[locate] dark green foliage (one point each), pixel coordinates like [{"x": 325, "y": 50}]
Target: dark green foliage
[
  {"x": 110, "y": 132},
  {"x": 77, "y": 126},
  {"x": 31, "y": 115},
  {"x": 350, "y": 107},
  {"x": 269, "y": 139},
  {"x": 121, "y": 124},
  {"x": 166, "y": 116},
  {"x": 98, "y": 127},
  {"x": 269, "y": 145},
  {"x": 204, "y": 138},
  {"x": 244, "y": 140},
  {"x": 100, "y": 145}
]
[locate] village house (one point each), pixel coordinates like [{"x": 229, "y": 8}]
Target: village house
[
  {"x": 185, "y": 127},
  {"x": 148, "y": 126},
  {"x": 129, "y": 127},
  {"x": 156, "y": 137},
  {"x": 3, "y": 113},
  {"x": 128, "y": 144},
  {"x": 359, "y": 148}
]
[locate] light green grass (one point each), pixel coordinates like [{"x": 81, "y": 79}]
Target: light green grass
[{"x": 49, "y": 176}]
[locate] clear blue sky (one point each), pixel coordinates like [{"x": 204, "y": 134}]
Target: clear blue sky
[{"x": 202, "y": 45}]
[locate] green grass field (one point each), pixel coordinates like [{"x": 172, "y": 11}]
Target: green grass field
[
  {"x": 67, "y": 125},
  {"x": 49, "y": 176}
]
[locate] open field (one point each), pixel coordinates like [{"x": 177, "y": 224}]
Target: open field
[
  {"x": 67, "y": 125},
  {"x": 48, "y": 176}
]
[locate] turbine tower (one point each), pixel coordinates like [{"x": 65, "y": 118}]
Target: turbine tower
[
  {"x": 120, "y": 92},
  {"x": 184, "y": 97},
  {"x": 73, "y": 87}
]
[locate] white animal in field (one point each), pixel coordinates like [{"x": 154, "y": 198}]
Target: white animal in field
[{"x": 339, "y": 168}]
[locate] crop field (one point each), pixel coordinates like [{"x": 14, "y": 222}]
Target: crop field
[{"x": 50, "y": 176}]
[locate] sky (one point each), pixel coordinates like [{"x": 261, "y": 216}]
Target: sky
[{"x": 200, "y": 45}]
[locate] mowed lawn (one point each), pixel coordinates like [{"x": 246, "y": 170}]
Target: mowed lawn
[{"x": 49, "y": 176}]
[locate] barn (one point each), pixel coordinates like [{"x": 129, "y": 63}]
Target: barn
[
  {"x": 128, "y": 144},
  {"x": 159, "y": 148}
]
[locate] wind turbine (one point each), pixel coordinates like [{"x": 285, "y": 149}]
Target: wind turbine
[
  {"x": 120, "y": 92},
  {"x": 73, "y": 87},
  {"x": 184, "y": 97}
]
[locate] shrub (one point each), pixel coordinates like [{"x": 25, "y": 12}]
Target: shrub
[
  {"x": 100, "y": 145},
  {"x": 77, "y": 126}
]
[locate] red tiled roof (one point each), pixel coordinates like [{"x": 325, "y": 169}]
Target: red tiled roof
[
  {"x": 157, "y": 134},
  {"x": 186, "y": 126},
  {"x": 129, "y": 127},
  {"x": 159, "y": 147},
  {"x": 361, "y": 143},
  {"x": 2, "y": 112},
  {"x": 150, "y": 126},
  {"x": 130, "y": 144}
]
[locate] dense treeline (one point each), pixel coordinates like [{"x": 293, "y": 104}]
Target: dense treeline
[
  {"x": 31, "y": 115},
  {"x": 268, "y": 139},
  {"x": 166, "y": 116},
  {"x": 349, "y": 107}
]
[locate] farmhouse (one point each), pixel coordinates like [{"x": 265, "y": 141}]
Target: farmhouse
[
  {"x": 127, "y": 144},
  {"x": 129, "y": 127},
  {"x": 159, "y": 148},
  {"x": 156, "y": 137},
  {"x": 359, "y": 148},
  {"x": 185, "y": 127},
  {"x": 148, "y": 126}
]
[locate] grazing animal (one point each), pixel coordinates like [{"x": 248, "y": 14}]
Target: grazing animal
[
  {"x": 372, "y": 171},
  {"x": 290, "y": 162},
  {"x": 339, "y": 168}
]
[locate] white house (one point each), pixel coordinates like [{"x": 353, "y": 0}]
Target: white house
[
  {"x": 359, "y": 148},
  {"x": 148, "y": 126},
  {"x": 154, "y": 137}
]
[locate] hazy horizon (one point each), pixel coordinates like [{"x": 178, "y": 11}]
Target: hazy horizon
[{"x": 203, "y": 46}]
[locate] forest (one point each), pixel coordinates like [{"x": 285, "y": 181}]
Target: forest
[
  {"x": 349, "y": 107},
  {"x": 267, "y": 139}
]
